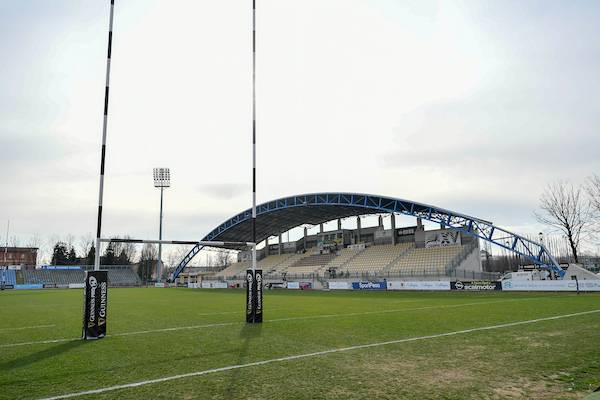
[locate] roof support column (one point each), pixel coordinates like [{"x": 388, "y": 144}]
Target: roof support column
[
  {"x": 393, "y": 228},
  {"x": 358, "y": 228},
  {"x": 305, "y": 234},
  {"x": 339, "y": 224},
  {"x": 321, "y": 227},
  {"x": 267, "y": 246},
  {"x": 280, "y": 244}
]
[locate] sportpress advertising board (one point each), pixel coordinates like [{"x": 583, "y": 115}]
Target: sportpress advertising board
[{"x": 95, "y": 311}]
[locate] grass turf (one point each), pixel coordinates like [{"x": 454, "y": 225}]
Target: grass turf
[{"x": 547, "y": 359}]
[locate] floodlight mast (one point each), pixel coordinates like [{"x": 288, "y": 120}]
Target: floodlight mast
[
  {"x": 104, "y": 129},
  {"x": 162, "y": 180}
]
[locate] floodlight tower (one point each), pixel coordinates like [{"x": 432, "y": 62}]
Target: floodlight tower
[{"x": 162, "y": 180}]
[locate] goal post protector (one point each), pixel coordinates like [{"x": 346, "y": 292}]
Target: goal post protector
[{"x": 254, "y": 296}]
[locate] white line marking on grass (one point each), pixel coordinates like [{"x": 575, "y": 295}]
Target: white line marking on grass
[
  {"x": 314, "y": 354},
  {"x": 26, "y": 327},
  {"x": 190, "y": 327}
]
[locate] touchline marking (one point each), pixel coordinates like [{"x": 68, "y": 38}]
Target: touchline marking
[
  {"x": 26, "y": 327},
  {"x": 190, "y": 327},
  {"x": 314, "y": 354}
]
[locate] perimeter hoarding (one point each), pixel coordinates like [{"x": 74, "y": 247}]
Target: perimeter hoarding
[
  {"x": 369, "y": 285},
  {"x": 333, "y": 285},
  {"x": 476, "y": 285},
  {"x": 551, "y": 285},
  {"x": 418, "y": 285},
  {"x": 96, "y": 301}
]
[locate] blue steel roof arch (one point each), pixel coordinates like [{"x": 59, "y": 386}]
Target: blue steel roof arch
[{"x": 288, "y": 212}]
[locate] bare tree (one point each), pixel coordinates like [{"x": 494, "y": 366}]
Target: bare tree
[
  {"x": 85, "y": 244},
  {"x": 593, "y": 189},
  {"x": 14, "y": 241},
  {"x": 147, "y": 262},
  {"x": 129, "y": 250},
  {"x": 176, "y": 254},
  {"x": 149, "y": 253},
  {"x": 35, "y": 241},
  {"x": 69, "y": 241},
  {"x": 563, "y": 207},
  {"x": 222, "y": 258},
  {"x": 124, "y": 252}
]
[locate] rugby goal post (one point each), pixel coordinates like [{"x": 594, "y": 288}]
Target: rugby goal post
[{"x": 96, "y": 286}]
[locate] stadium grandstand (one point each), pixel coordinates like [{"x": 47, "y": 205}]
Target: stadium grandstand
[
  {"x": 8, "y": 277},
  {"x": 362, "y": 252},
  {"x": 63, "y": 276}
]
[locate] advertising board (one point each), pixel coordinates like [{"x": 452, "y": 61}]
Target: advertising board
[
  {"x": 369, "y": 285},
  {"x": 333, "y": 285},
  {"x": 551, "y": 285},
  {"x": 418, "y": 285},
  {"x": 476, "y": 285}
]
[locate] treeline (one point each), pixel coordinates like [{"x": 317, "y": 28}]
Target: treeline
[
  {"x": 115, "y": 253},
  {"x": 573, "y": 211}
]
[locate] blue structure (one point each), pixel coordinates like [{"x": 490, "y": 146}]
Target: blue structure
[
  {"x": 283, "y": 214},
  {"x": 8, "y": 277}
]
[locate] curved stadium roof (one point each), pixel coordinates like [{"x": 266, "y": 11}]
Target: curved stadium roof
[{"x": 288, "y": 212}]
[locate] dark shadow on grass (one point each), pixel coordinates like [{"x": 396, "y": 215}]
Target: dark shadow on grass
[
  {"x": 247, "y": 334},
  {"x": 41, "y": 355}
]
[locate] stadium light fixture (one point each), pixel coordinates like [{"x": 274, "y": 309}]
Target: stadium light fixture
[
  {"x": 162, "y": 180},
  {"x": 162, "y": 177}
]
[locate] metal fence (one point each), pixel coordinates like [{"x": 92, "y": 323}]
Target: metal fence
[{"x": 416, "y": 273}]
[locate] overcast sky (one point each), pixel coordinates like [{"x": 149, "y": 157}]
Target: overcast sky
[{"x": 472, "y": 106}]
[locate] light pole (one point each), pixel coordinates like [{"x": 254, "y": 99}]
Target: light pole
[{"x": 162, "y": 179}]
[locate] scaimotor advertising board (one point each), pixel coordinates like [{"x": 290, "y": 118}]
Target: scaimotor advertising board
[
  {"x": 418, "y": 285},
  {"x": 293, "y": 285},
  {"x": 475, "y": 285},
  {"x": 369, "y": 285}
]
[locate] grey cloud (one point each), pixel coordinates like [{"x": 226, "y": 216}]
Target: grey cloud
[{"x": 224, "y": 191}]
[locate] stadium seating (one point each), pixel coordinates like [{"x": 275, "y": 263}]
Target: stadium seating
[
  {"x": 433, "y": 259},
  {"x": 285, "y": 264},
  {"x": 271, "y": 262},
  {"x": 123, "y": 277},
  {"x": 116, "y": 277},
  {"x": 235, "y": 269},
  {"x": 375, "y": 258},
  {"x": 8, "y": 277},
  {"x": 343, "y": 257},
  {"x": 313, "y": 264}
]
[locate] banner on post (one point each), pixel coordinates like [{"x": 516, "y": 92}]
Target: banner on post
[
  {"x": 258, "y": 293},
  {"x": 254, "y": 296},
  {"x": 249, "y": 296},
  {"x": 96, "y": 297}
]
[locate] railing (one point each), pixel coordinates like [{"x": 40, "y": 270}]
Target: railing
[
  {"x": 461, "y": 256},
  {"x": 429, "y": 273}
]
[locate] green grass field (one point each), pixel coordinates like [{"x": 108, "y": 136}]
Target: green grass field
[{"x": 41, "y": 357}]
